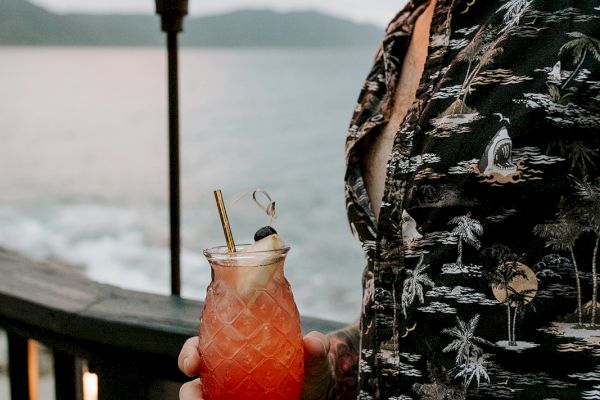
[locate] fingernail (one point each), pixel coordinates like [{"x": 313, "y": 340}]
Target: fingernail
[{"x": 186, "y": 364}]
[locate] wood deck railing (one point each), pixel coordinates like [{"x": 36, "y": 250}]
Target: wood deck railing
[{"x": 130, "y": 339}]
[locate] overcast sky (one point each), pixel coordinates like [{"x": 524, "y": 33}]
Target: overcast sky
[{"x": 375, "y": 11}]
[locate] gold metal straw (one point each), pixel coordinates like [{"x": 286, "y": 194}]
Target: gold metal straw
[{"x": 224, "y": 220}]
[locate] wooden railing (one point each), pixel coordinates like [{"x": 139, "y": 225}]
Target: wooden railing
[{"x": 130, "y": 339}]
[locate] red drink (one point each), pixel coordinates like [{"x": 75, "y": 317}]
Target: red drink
[{"x": 250, "y": 337}]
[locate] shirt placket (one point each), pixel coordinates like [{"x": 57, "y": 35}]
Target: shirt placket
[{"x": 388, "y": 270}]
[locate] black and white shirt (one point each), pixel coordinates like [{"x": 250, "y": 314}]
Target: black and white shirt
[{"x": 482, "y": 270}]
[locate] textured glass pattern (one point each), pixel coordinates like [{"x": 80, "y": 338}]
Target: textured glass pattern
[{"x": 250, "y": 338}]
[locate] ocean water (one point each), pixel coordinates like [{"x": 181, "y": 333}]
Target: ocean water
[{"x": 83, "y": 161}]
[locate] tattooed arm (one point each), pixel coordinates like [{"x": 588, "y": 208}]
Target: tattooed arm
[
  {"x": 343, "y": 354},
  {"x": 331, "y": 365}
]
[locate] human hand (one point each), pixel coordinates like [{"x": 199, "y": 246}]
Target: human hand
[
  {"x": 331, "y": 365},
  {"x": 324, "y": 358},
  {"x": 317, "y": 366},
  {"x": 343, "y": 364},
  {"x": 189, "y": 364}
]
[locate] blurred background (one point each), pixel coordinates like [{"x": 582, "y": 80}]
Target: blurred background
[{"x": 267, "y": 90}]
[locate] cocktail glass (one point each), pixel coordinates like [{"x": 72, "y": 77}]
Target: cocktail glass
[{"x": 250, "y": 337}]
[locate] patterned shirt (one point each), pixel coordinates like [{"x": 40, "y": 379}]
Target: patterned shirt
[{"x": 482, "y": 268}]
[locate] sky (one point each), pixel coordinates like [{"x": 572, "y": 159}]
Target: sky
[{"x": 373, "y": 11}]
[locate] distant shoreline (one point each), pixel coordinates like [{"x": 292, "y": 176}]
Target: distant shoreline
[
  {"x": 215, "y": 47},
  {"x": 24, "y": 23}
]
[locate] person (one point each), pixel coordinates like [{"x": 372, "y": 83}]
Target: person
[{"x": 472, "y": 183}]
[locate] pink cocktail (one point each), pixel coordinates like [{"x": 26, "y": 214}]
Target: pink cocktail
[{"x": 250, "y": 336}]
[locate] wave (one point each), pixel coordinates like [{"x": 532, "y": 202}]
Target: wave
[
  {"x": 591, "y": 394},
  {"x": 533, "y": 155},
  {"x": 438, "y": 307},
  {"x": 108, "y": 243},
  {"x": 127, "y": 246},
  {"x": 587, "y": 376}
]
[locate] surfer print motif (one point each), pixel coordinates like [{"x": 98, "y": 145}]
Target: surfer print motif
[{"x": 482, "y": 271}]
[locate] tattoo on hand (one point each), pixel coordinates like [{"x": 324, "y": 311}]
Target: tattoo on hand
[{"x": 343, "y": 356}]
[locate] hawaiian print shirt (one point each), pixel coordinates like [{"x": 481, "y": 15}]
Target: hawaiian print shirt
[{"x": 482, "y": 269}]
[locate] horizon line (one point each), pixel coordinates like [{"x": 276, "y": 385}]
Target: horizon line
[{"x": 137, "y": 11}]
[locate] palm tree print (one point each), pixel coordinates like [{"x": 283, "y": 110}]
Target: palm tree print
[
  {"x": 580, "y": 46},
  {"x": 583, "y": 157},
  {"x": 587, "y": 213},
  {"x": 562, "y": 236},
  {"x": 506, "y": 273},
  {"x": 514, "y": 11},
  {"x": 475, "y": 368},
  {"x": 502, "y": 266},
  {"x": 478, "y": 53},
  {"x": 471, "y": 54},
  {"x": 470, "y": 359},
  {"x": 483, "y": 50},
  {"x": 465, "y": 342},
  {"x": 467, "y": 229},
  {"x": 518, "y": 298},
  {"x": 413, "y": 285}
]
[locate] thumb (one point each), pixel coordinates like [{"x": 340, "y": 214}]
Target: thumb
[
  {"x": 317, "y": 375},
  {"x": 316, "y": 345}
]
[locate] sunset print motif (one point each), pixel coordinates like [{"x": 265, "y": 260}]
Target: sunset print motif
[{"x": 482, "y": 271}]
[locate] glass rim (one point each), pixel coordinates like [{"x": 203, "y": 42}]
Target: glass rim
[{"x": 222, "y": 252}]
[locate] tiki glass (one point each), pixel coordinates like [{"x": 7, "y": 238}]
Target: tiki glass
[{"x": 250, "y": 337}]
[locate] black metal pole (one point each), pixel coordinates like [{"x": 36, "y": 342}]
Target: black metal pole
[
  {"x": 172, "y": 13},
  {"x": 174, "y": 190}
]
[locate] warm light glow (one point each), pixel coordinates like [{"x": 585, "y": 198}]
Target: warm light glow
[{"x": 90, "y": 386}]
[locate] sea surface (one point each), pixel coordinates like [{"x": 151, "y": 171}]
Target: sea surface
[{"x": 83, "y": 161}]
